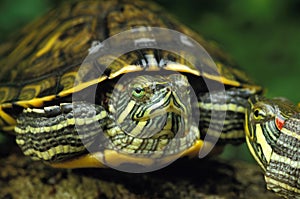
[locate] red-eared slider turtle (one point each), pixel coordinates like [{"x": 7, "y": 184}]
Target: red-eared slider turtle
[
  {"x": 131, "y": 121},
  {"x": 273, "y": 137}
]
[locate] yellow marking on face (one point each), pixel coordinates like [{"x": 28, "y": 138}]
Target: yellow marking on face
[
  {"x": 126, "y": 111},
  {"x": 253, "y": 152},
  {"x": 267, "y": 150},
  {"x": 249, "y": 140},
  {"x": 138, "y": 129}
]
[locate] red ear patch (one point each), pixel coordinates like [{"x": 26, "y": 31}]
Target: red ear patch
[{"x": 279, "y": 122}]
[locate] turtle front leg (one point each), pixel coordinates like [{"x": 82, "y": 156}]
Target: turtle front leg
[{"x": 56, "y": 134}]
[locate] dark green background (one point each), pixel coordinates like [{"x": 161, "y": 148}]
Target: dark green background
[{"x": 263, "y": 36}]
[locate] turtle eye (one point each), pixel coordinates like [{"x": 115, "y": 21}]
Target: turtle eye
[
  {"x": 258, "y": 114},
  {"x": 138, "y": 92}
]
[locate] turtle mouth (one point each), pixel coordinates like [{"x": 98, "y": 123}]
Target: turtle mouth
[{"x": 160, "y": 112}]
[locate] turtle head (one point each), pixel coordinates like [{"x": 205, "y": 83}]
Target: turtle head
[
  {"x": 265, "y": 119},
  {"x": 272, "y": 133},
  {"x": 151, "y": 106}
]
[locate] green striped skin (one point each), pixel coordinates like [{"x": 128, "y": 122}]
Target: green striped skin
[
  {"x": 273, "y": 137},
  {"x": 233, "y": 106},
  {"x": 49, "y": 134},
  {"x": 145, "y": 113}
]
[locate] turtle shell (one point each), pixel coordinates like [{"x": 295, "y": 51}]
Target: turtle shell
[
  {"x": 41, "y": 65},
  {"x": 40, "y": 70}
]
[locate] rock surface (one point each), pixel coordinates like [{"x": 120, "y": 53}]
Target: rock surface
[{"x": 23, "y": 178}]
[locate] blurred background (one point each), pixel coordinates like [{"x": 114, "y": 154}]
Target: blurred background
[{"x": 262, "y": 36}]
